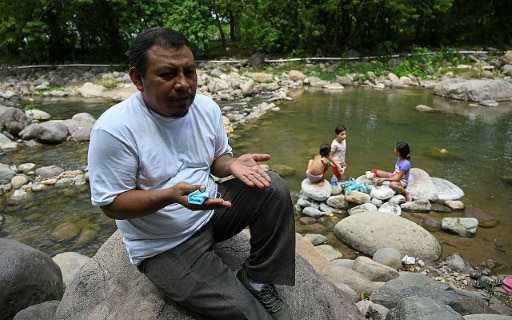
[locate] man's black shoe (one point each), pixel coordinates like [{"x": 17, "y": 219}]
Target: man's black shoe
[{"x": 268, "y": 297}]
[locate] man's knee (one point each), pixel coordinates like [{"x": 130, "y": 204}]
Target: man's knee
[{"x": 279, "y": 184}]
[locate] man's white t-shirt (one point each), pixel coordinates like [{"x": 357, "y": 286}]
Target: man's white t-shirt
[{"x": 132, "y": 147}]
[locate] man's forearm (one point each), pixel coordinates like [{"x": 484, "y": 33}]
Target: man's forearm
[{"x": 137, "y": 203}]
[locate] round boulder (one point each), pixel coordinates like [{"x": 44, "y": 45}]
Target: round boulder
[
  {"x": 27, "y": 277},
  {"x": 316, "y": 191},
  {"x": 370, "y": 231}
]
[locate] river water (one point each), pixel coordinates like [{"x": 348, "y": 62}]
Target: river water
[{"x": 477, "y": 143}]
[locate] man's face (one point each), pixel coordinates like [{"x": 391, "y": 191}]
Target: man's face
[{"x": 170, "y": 83}]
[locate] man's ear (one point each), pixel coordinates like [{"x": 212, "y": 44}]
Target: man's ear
[{"x": 136, "y": 78}]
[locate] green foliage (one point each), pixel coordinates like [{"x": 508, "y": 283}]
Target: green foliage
[
  {"x": 56, "y": 290},
  {"x": 269, "y": 26},
  {"x": 423, "y": 62},
  {"x": 53, "y": 31},
  {"x": 192, "y": 18},
  {"x": 30, "y": 106},
  {"x": 109, "y": 83},
  {"x": 489, "y": 291},
  {"x": 387, "y": 48}
]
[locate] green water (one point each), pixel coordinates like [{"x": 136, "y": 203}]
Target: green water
[{"x": 477, "y": 140}]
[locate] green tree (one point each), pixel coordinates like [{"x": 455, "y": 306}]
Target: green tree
[
  {"x": 36, "y": 31},
  {"x": 48, "y": 31},
  {"x": 24, "y": 32},
  {"x": 477, "y": 23},
  {"x": 192, "y": 18},
  {"x": 376, "y": 25},
  {"x": 269, "y": 26}
]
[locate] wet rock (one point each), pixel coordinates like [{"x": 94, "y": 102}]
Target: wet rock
[
  {"x": 13, "y": 120},
  {"x": 326, "y": 208},
  {"x": 65, "y": 231},
  {"x": 283, "y": 170},
  {"x": 485, "y": 220},
  {"x": 19, "y": 195},
  {"x": 6, "y": 173},
  {"x": 464, "y": 227},
  {"x": 425, "y": 108},
  {"x": 49, "y": 171},
  {"x": 313, "y": 212},
  {"x": 18, "y": 180},
  {"x": 507, "y": 179},
  {"x": 437, "y": 207},
  {"x": 455, "y": 204},
  {"x": 316, "y": 239},
  {"x": 442, "y": 153},
  {"x": 307, "y": 220},
  {"x": 431, "y": 224}
]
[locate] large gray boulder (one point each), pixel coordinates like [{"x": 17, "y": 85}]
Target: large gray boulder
[
  {"x": 447, "y": 190},
  {"x": 51, "y": 132},
  {"x": 13, "y": 120},
  {"x": 42, "y": 311},
  {"x": 84, "y": 119},
  {"x": 422, "y": 308},
  {"x": 27, "y": 277},
  {"x": 421, "y": 185},
  {"x": 370, "y": 231},
  {"x": 109, "y": 287},
  {"x": 474, "y": 90},
  {"x": 417, "y": 285}
]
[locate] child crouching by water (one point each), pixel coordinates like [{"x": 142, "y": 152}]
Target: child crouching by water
[
  {"x": 399, "y": 179},
  {"x": 318, "y": 166}
]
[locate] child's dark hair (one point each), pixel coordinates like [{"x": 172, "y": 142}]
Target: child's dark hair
[
  {"x": 339, "y": 129},
  {"x": 404, "y": 150},
  {"x": 325, "y": 149}
]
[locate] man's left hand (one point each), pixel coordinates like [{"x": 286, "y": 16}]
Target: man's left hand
[{"x": 247, "y": 169}]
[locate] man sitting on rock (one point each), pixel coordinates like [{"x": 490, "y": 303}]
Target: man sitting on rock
[{"x": 151, "y": 161}]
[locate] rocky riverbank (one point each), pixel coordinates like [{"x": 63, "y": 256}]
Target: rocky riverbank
[{"x": 359, "y": 279}]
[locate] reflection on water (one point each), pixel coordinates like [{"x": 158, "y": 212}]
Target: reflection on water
[{"x": 476, "y": 142}]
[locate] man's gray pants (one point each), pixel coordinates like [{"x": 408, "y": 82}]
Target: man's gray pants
[{"x": 193, "y": 276}]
